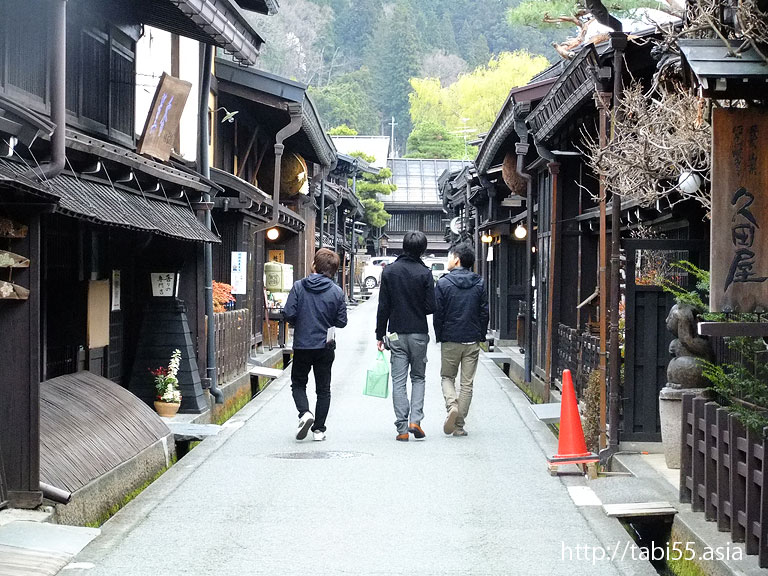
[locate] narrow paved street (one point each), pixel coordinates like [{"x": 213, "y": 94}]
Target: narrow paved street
[{"x": 253, "y": 500}]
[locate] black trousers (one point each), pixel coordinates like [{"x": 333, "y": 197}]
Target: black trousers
[{"x": 320, "y": 361}]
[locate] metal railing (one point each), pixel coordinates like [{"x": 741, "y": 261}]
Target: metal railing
[{"x": 233, "y": 341}]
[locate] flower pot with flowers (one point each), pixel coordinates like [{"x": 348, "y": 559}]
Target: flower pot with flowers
[{"x": 168, "y": 397}]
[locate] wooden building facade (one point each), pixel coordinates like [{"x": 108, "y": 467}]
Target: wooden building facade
[{"x": 91, "y": 218}]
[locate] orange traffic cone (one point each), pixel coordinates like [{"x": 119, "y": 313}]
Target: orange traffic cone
[{"x": 571, "y": 447}]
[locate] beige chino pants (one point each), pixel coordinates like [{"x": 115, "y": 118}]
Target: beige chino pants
[{"x": 455, "y": 356}]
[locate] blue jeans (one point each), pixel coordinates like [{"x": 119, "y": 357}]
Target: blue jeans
[{"x": 408, "y": 350}]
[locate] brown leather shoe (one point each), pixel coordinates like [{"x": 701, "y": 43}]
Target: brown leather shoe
[
  {"x": 402, "y": 437},
  {"x": 416, "y": 430}
]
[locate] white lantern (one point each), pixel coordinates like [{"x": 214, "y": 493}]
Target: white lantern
[{"x": 689, "y": 182}]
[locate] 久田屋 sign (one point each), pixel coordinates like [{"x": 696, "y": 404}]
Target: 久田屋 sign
[{"x": 739, "y": 255}]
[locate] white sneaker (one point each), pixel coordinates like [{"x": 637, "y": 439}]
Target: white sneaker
[
  {"x": 305, "y": 422},
  {"x": 318, "y": 435}
]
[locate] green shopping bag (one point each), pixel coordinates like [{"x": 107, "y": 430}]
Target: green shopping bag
[{"x": 377, "y": 379}]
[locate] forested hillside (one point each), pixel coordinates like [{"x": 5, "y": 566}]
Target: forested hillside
[{"x": 360, "y": 56}]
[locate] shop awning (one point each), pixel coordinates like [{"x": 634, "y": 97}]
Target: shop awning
[{"x": 111, "y": 205}]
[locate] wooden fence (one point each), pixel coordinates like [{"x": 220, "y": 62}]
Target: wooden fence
[
  {"x": 233, "y": 343},
  {"x": 578, "y": 352},
  {"x": 724, "y": 472}
]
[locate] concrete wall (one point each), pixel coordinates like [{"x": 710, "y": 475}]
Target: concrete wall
[{"x": 96, "y": 501}]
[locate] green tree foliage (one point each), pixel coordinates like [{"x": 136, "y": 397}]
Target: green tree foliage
[
  {"x": 368, "y": 189},
  {"x": 432, "y": 140},
  {"x": 473, "y": 101},
  {"x": 347, "y": 101},
  {"x": 359, "y": 55},
  {"x": 342, "y": 130},
  {"x": 394, "y": 59}
]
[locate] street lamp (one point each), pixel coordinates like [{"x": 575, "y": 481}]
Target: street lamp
[{"x": 520, "y": 232}]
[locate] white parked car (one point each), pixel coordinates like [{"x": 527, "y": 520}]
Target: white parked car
[
  {"x": 439, "y": 267},
  {"x": 372, "y": 270}
]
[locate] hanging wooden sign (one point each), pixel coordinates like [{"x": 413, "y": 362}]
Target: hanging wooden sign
[
  {"x": 11, "y": 229},
  {"x": 9, "y": 291},
  {"x": 739, "y": 253},
  {"x": 11, "y": 260},
  {"x": 164, "y": 117}
]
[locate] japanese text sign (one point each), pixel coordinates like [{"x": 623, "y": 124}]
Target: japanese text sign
[
  {"x": 739, "y": 255},
  {"x": 164, "y": 284},
  {"x": 239, "y": 272},
  {"x": 164, "y": 117}
]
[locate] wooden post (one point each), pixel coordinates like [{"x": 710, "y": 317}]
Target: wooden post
[
  {"x": 602, "y": 100},
  {"x": 554, "y": 239}
]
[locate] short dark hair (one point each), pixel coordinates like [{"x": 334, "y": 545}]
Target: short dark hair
[
  {"x": 465, "y": 252},
  {"x": 414, "y": 243},
  {"x": 326, "y": 262}
]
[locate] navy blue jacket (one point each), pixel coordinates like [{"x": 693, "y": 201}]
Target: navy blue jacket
[
  {"x": 462, "y": 307},
  {"x": 406, "y": 297},
  {"x": 315, "y": 304}
]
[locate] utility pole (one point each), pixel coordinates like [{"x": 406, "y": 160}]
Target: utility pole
[{"x": 392, "y": 138}]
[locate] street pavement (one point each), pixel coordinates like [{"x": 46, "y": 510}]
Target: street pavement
[{"x": 255, "y": 501}]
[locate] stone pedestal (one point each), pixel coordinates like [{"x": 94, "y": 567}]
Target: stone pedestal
[{"x": 671, "y": 415}]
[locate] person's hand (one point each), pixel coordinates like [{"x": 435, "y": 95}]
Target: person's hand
[{"x": 380, "y": 345}]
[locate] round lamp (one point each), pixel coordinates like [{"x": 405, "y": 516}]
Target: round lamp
[
  {"x": 520, "y": 232},
  {"x": 273, "y": 233},
  {"x": 689, "y": 182}
]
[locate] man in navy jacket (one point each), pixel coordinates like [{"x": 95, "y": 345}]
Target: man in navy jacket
[
  {"x": 461, "y": 323},
  {"x": 315, "y": 305},
  {"x": 406, "y": 297}
]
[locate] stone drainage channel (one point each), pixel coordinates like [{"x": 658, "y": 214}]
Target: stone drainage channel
[{"x": 651, "y": 534}]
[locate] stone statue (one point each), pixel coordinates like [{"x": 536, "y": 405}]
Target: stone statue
[
  {"x": 684, "y": 374},
  {"x": 689, "y": 350}
]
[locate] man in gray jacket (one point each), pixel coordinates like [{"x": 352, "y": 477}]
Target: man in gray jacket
[{"x": 461, "y": 323}]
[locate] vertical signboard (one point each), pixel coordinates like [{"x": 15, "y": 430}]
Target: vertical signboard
[
  {"x": 739, "y": 255},
  {"x": 164, "y": 116},
  {"x": 116, "y": 290},
  {"x": 238, "y": 276}
]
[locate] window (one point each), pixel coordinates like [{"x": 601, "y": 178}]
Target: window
[
  {"x": 100, "y": 65},
  {"x": 95, "y": 75},
  {"x": 100, "y": 76},
  {"x": 433, "y": 222},
  {"x": 25, "y": 48}
]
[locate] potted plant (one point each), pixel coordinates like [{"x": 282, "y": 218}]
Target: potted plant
[{"x": 168, "y": 397}]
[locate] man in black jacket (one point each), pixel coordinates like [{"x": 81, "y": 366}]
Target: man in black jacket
[
  {"x": 406, "y": 297},
  {"x": 315, "y": 307},
  {"x": 461, "y": 323}
]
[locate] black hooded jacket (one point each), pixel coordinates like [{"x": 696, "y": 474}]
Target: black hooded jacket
[
  {"x": 315, "y": 304},
  {"x": 462, "y": 307},
  {"x": 406, "y": 297}
]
